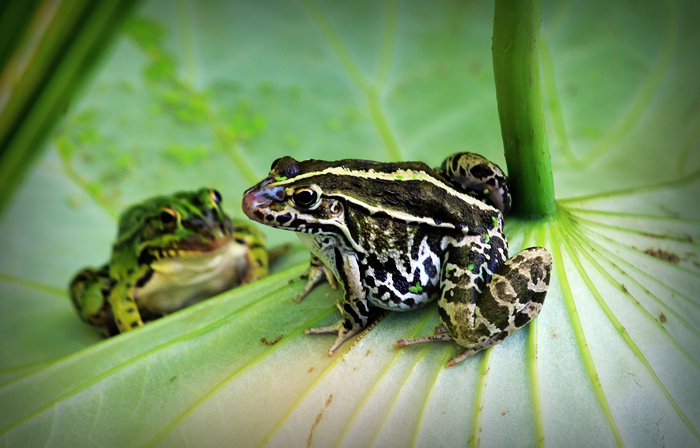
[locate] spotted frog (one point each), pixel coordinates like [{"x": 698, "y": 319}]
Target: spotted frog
[
  {"x": 397, "y": 236},
  {"x": 171, "y": 252}
]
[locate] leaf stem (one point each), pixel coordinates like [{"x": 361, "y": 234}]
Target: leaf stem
[{"x": 516, "y": 31}]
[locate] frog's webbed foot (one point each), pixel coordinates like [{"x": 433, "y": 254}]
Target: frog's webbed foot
[
  {"x": 339, "y": 328},
  {"x": 317, "y": 273}
]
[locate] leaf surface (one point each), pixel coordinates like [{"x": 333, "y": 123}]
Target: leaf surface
[{"x": 199, "y": 93}]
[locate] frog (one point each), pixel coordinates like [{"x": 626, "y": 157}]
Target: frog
[
  {"x": 399, "y": 235},
  {"x": 171, "y": 251}
]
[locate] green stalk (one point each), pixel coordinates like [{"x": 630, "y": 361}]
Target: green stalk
[
  {"x": 516, "y": 29},
  {"x": 44, "y": 70}
]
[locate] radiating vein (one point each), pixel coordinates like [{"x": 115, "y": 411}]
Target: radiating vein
[
  {"x": 625, "y": 335},
  {"x": 290, "y": 410},
  {"x": 418, "y": 329},
  {"x": 32, "y": 284},
  {"x": 163, "y": 346},
  {"x": 433, "y": 382},
  {"x": 391, "y": 23},
  {"x": 370, "y": 91},
  {"x": 578, "y": 331},
  {"x": 581, "y": 243},
  {"x": 240, "y": 370},
  {"x": 532, "y": 358},
  {"x": 683, "y": 238},
  {"x": 479, "y": 398},
  {"x": 601, "y": 236},
  {"x": 614, "y": 260}
]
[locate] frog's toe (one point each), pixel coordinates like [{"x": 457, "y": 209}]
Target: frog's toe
[
  {"x": 437, "y": 337},
  {"x": 317, "y": 274},
  {"x": 343, "y": 334}
]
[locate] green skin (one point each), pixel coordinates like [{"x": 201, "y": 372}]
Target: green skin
[{"x": 171, "y": 251}]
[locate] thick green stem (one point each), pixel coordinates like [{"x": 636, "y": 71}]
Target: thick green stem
[
  {"x": 516, "y": 29},
  {"x": 43, "y": 69}
]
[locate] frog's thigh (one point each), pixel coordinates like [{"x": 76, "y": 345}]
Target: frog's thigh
[
  {"x": 512, "y": 298},
  {"x": 126, "y": 313}
]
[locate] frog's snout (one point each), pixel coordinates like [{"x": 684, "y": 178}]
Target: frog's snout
[{"x": 257, "y": 200}]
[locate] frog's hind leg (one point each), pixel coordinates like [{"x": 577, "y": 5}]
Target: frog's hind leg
[
  {"x": 512, "y": 298},
  {"x": 478, "y": 177}
]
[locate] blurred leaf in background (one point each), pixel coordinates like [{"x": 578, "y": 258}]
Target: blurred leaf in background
[{"x": 210, "y": 93}]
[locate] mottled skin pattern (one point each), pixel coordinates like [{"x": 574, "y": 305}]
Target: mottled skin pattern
[
  {"x": 400, "y": 235},
  {"x": 171, "y": 251}
]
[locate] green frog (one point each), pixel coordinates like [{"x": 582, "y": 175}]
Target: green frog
[
  {"x": 397, "y": 236},
  {"x": 171, "y": 252}
]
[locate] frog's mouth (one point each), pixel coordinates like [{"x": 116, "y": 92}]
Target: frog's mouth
[
  {"x": 189, "y": 247},
  {"x": 258, "y": 200}
]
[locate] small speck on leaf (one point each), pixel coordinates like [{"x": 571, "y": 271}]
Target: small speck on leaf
[
  {"x": 663, "y": 255},
  {"x": 272, "y": 342},
  {"x": 662, "y": 318}
]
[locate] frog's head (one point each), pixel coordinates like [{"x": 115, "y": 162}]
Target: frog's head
[
  {"x": 298, "y": 196},
  {"x": 178, "y": 225}
]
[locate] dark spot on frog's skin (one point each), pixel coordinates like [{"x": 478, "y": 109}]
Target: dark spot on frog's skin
[
  {"x": 258, "y": 214},
  {"x": 662, "y": 318},
  {"x": 455, "y": 163},
  {"x": 145, "y": 258},
  {"x": 521, "y": 319},
  {"x": 144, "y": 278},
  {"x": 663, "y": 255},
  {"x": 369, "y": 281},
  {"x": 131, "y": 310},
  {"x": 134, "y": 324},
  {"x": 409, "y": 302},
  {"x": 282, "y": 219},
  {"x": 430, "y": 268},
  {"x": 362, "y": 308},
  {"x": 481, "y": 171},
  {"x": 539, "y": 297},
  {"x": 443, "y": 315},
  {"x": 536, "y": 271},
  {"x": 501, "y": 336},
  {"x": 353, "y": 316}
]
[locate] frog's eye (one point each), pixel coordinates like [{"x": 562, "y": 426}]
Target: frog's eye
[
  {"x": 272, "y": 167},
  {"x": 305, "y": 197},
  {"x": 215, "y": 196},
  {"x": 168, "y": 215}
]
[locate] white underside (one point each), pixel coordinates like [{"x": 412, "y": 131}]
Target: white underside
[{"x": 180, "y": 282}]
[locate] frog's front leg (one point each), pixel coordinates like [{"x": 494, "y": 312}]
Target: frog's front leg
[
  {"x": 318, "y": 272},
  {"x": 355, "y": 308},
  {"x": 511, "y": 299},
  {"x": 126, "y": 313}
]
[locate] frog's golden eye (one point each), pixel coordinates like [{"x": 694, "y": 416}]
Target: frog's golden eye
[
  {"x": 215, "y": 196},
  {"x": 305, "y": 197},
  {"x": 168, "y": 215}
]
